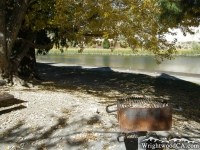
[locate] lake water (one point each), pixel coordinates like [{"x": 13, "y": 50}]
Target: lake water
[{"x": 183, "y": 64}]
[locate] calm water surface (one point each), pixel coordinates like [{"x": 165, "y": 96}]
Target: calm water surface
[{"x": 182, "y": 64}]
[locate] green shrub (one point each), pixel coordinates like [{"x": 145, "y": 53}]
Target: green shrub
[
  {"x": 123, "y": 44},
  {"x": 106, "y": 44},
  {"x": 196, "y": 47}
]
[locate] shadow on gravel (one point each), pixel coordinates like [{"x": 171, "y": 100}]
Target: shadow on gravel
[
  {"x": 62, "y": 135},
  {"x": 111, "y": 85},
  {"x": 10, "y": 105},
  {"x": 105, "y": 83}
]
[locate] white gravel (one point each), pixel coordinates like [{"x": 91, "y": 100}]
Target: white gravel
[
  {"x": 58, "y": 120},
  {"x": 67, "y": 120}
]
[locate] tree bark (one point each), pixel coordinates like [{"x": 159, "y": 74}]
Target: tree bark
[
  {"x": 14, "y": 24},
  {"x": 27, "y": 66},
  {"x": 4, "y": 57},
  {"x": 9, "y": 29}
]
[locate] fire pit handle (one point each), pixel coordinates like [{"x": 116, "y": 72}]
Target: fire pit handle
[
  {"x": 175, "y": 107},
  {"x": 108, "y": 110},
  {"x": 119, "y": 138}
]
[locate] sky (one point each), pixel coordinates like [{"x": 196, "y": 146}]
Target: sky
[{"x": 189, "y": 37}]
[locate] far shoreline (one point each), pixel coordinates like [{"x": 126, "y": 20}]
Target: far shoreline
[
  {"x": 121, "y": 51},
  {"x": 174, "y": 55},
  {"x": 191, "y": 77}
]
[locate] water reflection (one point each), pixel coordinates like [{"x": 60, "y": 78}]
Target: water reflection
[{"x": 180, "y": 64}]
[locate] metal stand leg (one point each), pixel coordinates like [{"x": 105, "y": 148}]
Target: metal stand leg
[{"x": 133, "y": 143}]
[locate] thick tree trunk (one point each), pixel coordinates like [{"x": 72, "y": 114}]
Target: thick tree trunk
[
  {"x": 14, "y": 24},
  {"x": 26, "y": 60},
  {"x": 27, "y": 66},
  {"x": 5, "y": 65},
  {"x": 9, "y": 29}
]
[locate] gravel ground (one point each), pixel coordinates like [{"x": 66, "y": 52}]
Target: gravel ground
[
  {"x": 57, "y": 120},
  {"x": 67, "y": 111}
]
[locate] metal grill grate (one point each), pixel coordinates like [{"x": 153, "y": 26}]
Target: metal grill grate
[{"x": 138, "y": 102}]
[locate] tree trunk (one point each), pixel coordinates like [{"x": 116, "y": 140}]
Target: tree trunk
[
  {"x": 14, "y": 24},
  {"x": 26, "y": 60},
  {"x": 9, "y": 29},
  {"x": 4, "y": 58},
  {"x": 10, "y": 26},
  {"x": 27, "y": 66}
]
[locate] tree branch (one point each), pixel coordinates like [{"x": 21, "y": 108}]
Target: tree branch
[
  {"x": 33, "y": 45},
  {"x": 32, "y": 1}
]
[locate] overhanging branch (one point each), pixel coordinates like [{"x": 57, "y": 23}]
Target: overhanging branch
[{"x": 37, "y": 46}]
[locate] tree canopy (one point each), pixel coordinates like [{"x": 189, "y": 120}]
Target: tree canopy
[
  {"x": 137, "y": 21},
  {"x": 143, "y": 23},
  {"x": 180, "y": 14}
]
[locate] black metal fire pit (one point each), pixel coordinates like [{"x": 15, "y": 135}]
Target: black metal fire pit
[{"x": 142, "y": 114}]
